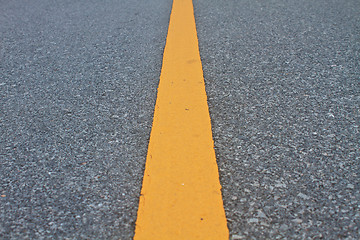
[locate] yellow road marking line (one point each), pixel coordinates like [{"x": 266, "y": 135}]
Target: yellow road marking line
[{"x": 180, "y": 196}]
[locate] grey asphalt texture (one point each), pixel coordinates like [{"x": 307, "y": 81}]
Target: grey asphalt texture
[
  {"x": 78, "y": 86},
  {"x": 78, "y": 89},
  {"x": 283, "y": 85}
]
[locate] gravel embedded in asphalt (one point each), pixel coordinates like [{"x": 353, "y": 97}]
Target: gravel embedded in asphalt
[
  {"x": 78, "y": 85},
  {"x": 77, "y": 93},
  {"x": 282, "y": 79}
]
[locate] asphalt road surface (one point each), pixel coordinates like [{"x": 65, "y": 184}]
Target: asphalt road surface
[
  {"x": 78, "y": 89},
  {"x": 78, "y": 84},
  {"x": 283, "y": 82}
]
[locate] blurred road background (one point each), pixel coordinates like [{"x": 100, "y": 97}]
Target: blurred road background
[{"x": 78, "y": 83}]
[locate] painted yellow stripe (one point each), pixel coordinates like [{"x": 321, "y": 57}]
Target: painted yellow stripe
[{"x": 181, "y": 197}]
